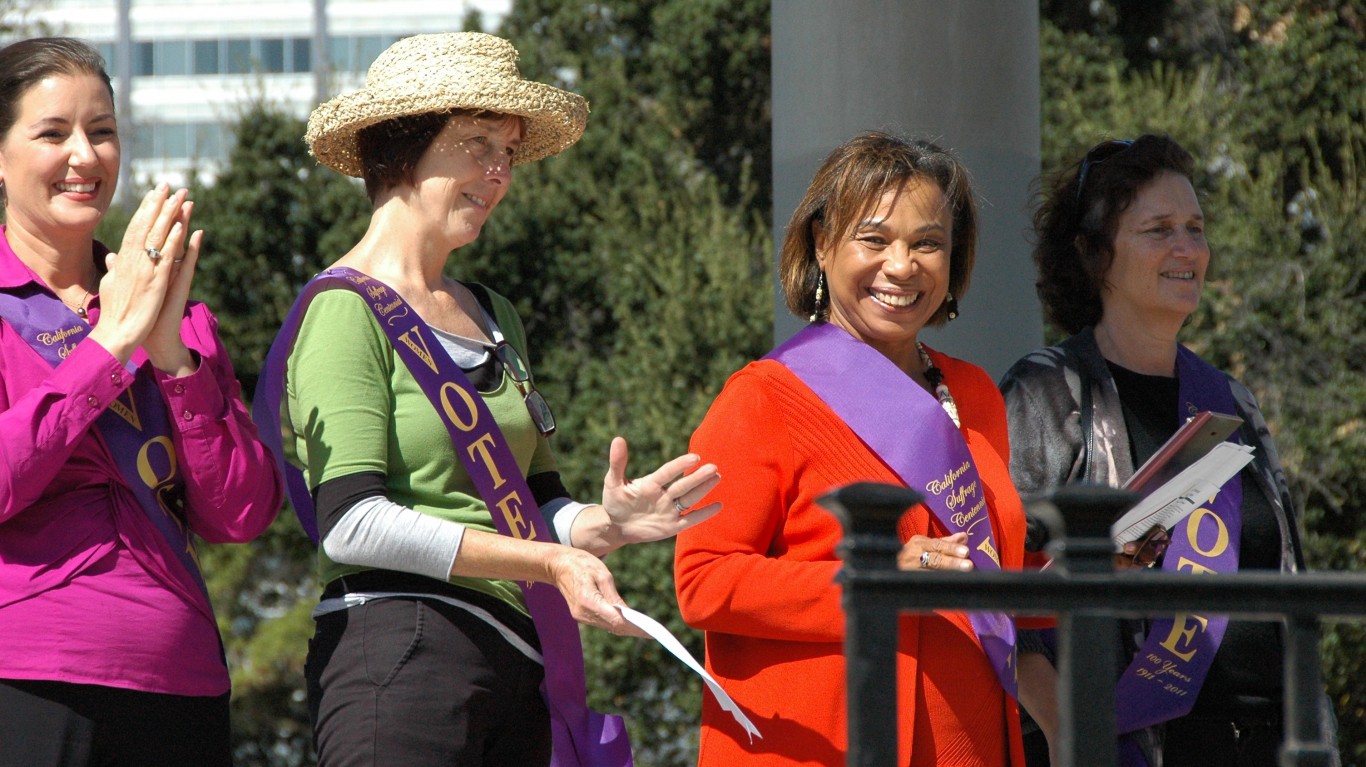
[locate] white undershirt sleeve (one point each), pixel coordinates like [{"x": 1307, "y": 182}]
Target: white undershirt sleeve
[{"x": 377, "y": 532}]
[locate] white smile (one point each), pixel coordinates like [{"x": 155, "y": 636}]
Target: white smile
[
  {"x": 1187, "y": 275},
  {"x": 84, "y": 188},
  {"x": 480, "y": 201},
  {"x": 895, "y": 300}
]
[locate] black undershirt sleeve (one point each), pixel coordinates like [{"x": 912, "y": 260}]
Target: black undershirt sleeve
[{"x": 335, "y": 497}]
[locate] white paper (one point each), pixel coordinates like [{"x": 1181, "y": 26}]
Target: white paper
[
  {"x": 1171, "y": 502},
  {"x": 670, "y": 643}
]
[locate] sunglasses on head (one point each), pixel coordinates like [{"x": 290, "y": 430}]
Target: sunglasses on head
[
  {"x": 1099, "y": 154},
  {"x": 516, "y": 369}
]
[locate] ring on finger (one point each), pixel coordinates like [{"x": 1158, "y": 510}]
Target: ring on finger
[
  {"x": 180, "y": 260},
  {"x": 680, "y": 507},
  {"x": 153, "y": 254},
  {"x": 925, "y": 559}
]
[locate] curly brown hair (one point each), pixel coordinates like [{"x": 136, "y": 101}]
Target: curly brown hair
[
  {"x": 1075, "y": 225},
  {"x": 848, "y": 186}
]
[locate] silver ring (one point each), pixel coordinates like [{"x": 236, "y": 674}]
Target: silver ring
[
  {"x": 679, "y": 506},
  {"x": 180, "y": 260},
  {"x": 153, "y": 254},
  {"x": 925, "y": 559}
]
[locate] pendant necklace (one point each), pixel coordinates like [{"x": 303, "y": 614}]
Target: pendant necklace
[
  {"x": 79, "y": 308},
  {"x": 941, "y": 390}
]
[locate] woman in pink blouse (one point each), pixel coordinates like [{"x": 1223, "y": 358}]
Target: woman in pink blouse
[{"x": 123, "y": 437}]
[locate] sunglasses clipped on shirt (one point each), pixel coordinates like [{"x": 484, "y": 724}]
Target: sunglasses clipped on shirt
[{"x": 517, "y": 369}]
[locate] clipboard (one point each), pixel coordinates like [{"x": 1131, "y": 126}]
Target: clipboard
[{"x": 1190, "y": 443}]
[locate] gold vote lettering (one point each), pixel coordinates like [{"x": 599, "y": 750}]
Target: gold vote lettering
[
  {"x": 412, "y": 338},
  {"x": 1183, "y": 633},
  {"x": 449, "y": 407},
  {"x": 511, "y": 506},
  {"x": 148, "y": 473},
  {"x": 481, "y": 446},
  {"x": 1193, "y": 532}
]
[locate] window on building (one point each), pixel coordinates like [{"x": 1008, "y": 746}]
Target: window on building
[
  {"x": 209, "y": 141},
  {"x": 172, "y": 141},
  {"x": 139, "y": 138},
  {"x": 368, "y": 48},
  {"x": 238, "y": 58},
  {"x": 271, "y": 54},
  {"x": 339, "y": 53},
  {"x": 301, "y": 59},
  {"x": 205, "y": 57},
  {"x": 143, "y": 59},
  {"x": 171, "y": 58}
]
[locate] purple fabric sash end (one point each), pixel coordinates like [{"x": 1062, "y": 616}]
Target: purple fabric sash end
[
  {"x": 1165, "y": 676},
  {"x": 136, "y": 432},
  {"x": 909, "y": 430},
  {"x": 582, "y": 737}
]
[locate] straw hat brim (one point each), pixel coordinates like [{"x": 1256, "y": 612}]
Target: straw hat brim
[{"x": 554, "y": 119}]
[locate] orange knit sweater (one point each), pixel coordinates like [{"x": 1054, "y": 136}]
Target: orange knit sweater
[{"x": 759, "y": 580}]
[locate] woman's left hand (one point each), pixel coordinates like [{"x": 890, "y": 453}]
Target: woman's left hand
[
  {"x": 657, "y": 505},
  {"x": 924, "y": 553},
  {"x": 165, "y": 348}
]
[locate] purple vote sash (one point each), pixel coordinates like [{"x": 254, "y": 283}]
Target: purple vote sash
[
  {"x": 582, "y": 737},
  {"x": 1164, "y": 678},
  {"x": 908, "y": 429},
  {"x": 135, "y": 429}
]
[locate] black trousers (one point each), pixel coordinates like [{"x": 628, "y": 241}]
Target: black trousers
[
  {"x": 57, "y": 724},
  {"x": 1245, "y": 741},
  {"x": 411, "y": 682}
]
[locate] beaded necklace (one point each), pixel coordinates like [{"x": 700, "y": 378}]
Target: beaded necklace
[{"x": 941, "y": 390}]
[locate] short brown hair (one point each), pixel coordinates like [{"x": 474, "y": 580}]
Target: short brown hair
[
  {"x": 25, "y": 63},
  {"x": 847, "y": 187}
]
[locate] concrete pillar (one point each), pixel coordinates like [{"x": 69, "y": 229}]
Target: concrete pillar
[{"x": 964, "y": 74}]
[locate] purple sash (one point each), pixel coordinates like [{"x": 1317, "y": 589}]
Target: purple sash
[
  {"x": 1164, "y": 678},
  {"x": 908, "y": 429},
  {"x": 582, "y": 737},
  {"x": 135, "y": 429}
]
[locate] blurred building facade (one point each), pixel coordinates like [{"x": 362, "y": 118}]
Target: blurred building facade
[{"x": 184, "y": 69}]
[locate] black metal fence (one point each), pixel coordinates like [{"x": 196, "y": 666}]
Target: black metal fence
[{"x": 1087, "y": 595}]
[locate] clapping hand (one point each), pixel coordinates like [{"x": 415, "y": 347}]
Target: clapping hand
[{"x": 147, "y": 281}]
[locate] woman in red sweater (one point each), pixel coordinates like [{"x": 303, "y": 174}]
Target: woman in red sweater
[{"x": 879, "y": 247}]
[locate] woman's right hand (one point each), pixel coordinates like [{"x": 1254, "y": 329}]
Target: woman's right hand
[
  {"x": 134, "y": 289},
  {"x": 588, "y": 587},
  {"x": 922, "y": 552}
]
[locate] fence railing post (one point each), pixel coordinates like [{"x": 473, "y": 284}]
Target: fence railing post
[
  {"x": 869, "y": 513},
  {"x": 1304, "y": 738},
  {"x": 1088, "y": 641}
]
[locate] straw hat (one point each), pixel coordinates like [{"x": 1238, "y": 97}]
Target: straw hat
[{"x": 434, "y": 73}]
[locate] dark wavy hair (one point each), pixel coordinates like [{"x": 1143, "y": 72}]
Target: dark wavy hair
[
  {"x": 846, "y": 189},
  {"x": 1075, "y": 225}
]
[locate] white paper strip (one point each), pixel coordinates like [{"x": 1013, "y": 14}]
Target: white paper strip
[{"x": 670, "y": 643}]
